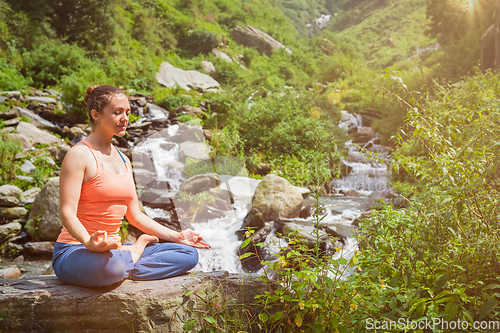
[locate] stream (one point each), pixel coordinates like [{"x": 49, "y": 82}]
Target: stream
[{"x": 167, "y": 151}]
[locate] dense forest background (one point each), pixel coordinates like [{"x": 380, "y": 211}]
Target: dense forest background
[{"x": 414, "y": 62}]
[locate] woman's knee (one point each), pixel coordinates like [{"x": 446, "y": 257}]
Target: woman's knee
[{"x": 191, "y": 257}]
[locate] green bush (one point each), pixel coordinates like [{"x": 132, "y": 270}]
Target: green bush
[
  {"x": 10, "y": 78},
  {"x": 74, "y": 86},
  {"x": 199, "y": 41}
]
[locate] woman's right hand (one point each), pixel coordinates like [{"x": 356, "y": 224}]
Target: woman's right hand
[{"x": 99, "y": 242}]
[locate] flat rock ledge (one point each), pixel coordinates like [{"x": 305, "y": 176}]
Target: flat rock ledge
[{"x": 46, "y": 304}]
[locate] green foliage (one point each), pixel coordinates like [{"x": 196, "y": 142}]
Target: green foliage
[
  {"x": 74, "y": 86},
  {"x": 287, "y": 122},
  {"x": 10, "y": 78},
  {"x": 442, "y": 254},
  {"x": 199, "y": 41},
  {"x": 8, "y": 165},
  {"x": 49, "y": 60}
]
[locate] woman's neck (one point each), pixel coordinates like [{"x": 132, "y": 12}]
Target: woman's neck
[{"x": 100, "y": 141}]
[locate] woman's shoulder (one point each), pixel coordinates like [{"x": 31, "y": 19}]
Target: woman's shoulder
[{"x": 78, "y": 153}]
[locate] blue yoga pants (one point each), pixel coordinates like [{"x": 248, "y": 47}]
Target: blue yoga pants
[{"x": 76, "y": 265}]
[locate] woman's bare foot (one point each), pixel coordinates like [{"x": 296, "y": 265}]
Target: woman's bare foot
[{"x": 138, "y": 247}]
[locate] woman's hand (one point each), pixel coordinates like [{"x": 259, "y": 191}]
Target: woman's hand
[
  {"x": 99, "y": 242},
  {"x": 191, "y": 238}
]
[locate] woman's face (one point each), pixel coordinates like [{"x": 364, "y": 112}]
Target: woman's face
[{"x": 114, "y": 117}]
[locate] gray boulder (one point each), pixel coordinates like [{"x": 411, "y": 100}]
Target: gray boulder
[
  {"x": 25, "y": 141},
  {"x": 10, "y": 191},
  {"x": 195, "y": 150},
  {"x": 9, "y": 230},
  {"x": 252, "y": 263},
  {"x": 39, "y": 248},
  {"x": 45, "y": 217},
  {"x": 8, "y": 201},
  {"x": 59, "y": 152},
  {"x": 221, "y": 55},
  {"x": 170, "y": 76},
  {"x": 41, "y": 99},
  {"x": 200, "y": 183},
  {"x": 46, "y": 304},
  {"x": 12, "y": 113},
  {"x": 38, "y": 121},
  {"x": 253, "y": 37},
  {"x": 36, "y": 135},
  {"x": 208, "y": 67},
  {"x": 10, "y": 273},
  {"x": 275, "y": 197},
  {"x": 253, "y": 220},
  {"x": 12, "y": 213}
]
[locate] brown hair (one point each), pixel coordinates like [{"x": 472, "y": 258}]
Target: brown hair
[{"x": 98, "y": 96}]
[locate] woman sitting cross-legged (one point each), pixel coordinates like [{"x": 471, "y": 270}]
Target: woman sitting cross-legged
[{"x": 97, "y": 189}]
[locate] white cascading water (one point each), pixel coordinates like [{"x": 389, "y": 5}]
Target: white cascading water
[{"x": 220, "y": 233}]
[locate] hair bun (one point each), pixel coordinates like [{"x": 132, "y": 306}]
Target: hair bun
[{"x": 88, "y": 93}]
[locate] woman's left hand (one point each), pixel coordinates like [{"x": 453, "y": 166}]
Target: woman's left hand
[{"x": 192, "y": 238}]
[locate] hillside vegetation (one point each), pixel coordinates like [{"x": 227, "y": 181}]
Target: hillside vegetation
[{"x": 438, "y": 258}]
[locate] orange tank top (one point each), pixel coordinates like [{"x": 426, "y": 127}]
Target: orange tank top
[{"x": 103, "y": 201}]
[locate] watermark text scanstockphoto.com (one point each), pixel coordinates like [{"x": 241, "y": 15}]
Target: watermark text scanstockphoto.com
[{"x": 436, "y": 323}]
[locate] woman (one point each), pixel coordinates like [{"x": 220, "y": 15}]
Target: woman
[{"x": 97, "y": 189}]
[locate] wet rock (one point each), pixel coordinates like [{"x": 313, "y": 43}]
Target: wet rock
[
  {"x": 46, "y": 304},
  {"x": 195, "y": 150},
  {"x": 155, "y": 198},
  {"x": 193, "y": 134},
  {"x": 252, "y": 263},
  {"x": 143, "y": 177},
  {"x": 254, "y": 220},
  {"x": 353, "y": 193},
  {"x": 334, "y": 233},
  {"x": 8, "y": 201},
  {"x": 309, "y": 211},
  {"x": 174, "y": 224},
  {"x": 10, "y": 273},
  {"x": 275, "y": 197},
  {"x": 9, "y": 230},
  {"x": 304, "y": 230},
  {"x": 253, "y": 37},
  {"x": 10, "y": 191},
  {"x": 12, "y": 113},
  {"x": 39, "y": 249},
  {"x": 12, "y": 213},
  {"x": 200, "y": 183},
  {"x": 170, "y": 76},
  {"x": 156, "y": 111},
  {"x": 36, "y": 135},
  {"x": 45, "y": 217}
]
